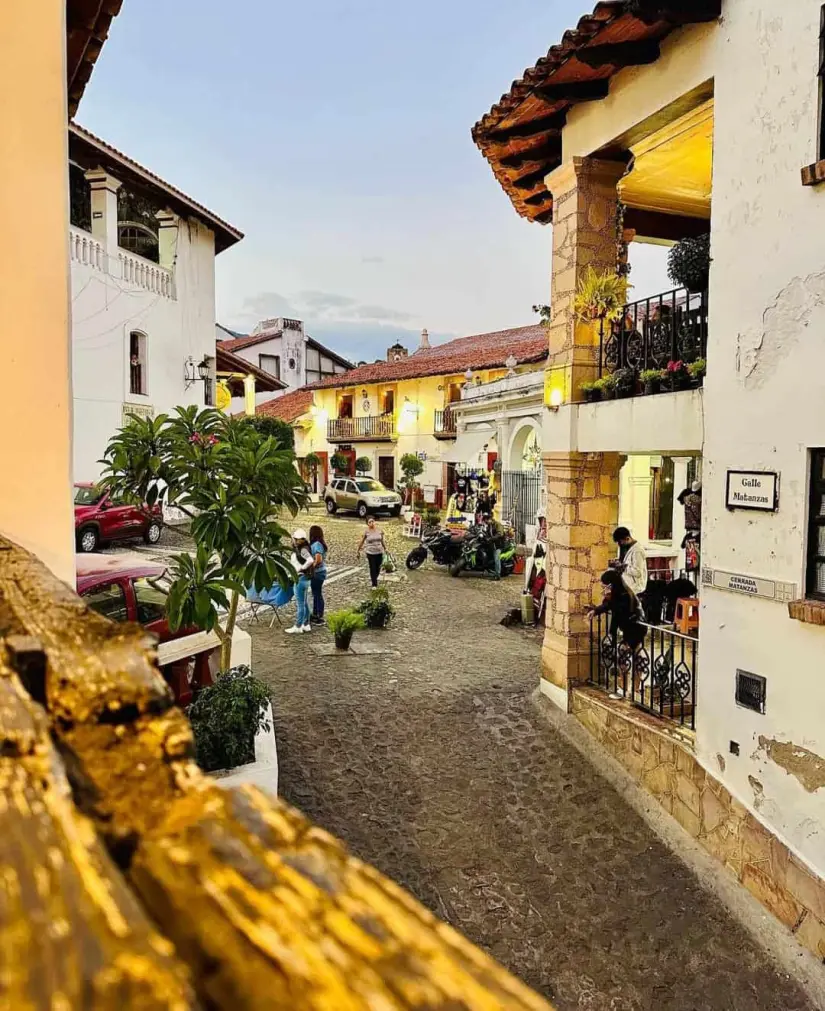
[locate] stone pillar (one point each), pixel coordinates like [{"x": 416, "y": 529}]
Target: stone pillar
[
  {"x": 582, "y": 512},
  {"x": 104, "y": 208},
  {"x": 168, "y": 224},
  {"x": 584, "y": 235},
  {"x": 35, "y": 343}
]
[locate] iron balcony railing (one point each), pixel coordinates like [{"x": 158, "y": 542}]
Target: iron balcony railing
[
  {"x": 372, "y": 427},
  {"x": 658, "y": 676},
  {"x": 670, "y": 327},
  {"x": 445, "y": 422}
]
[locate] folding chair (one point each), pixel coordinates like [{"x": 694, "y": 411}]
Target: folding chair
[{"x": 256, "y": 607}]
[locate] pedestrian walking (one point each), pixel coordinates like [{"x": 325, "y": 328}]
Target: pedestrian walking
[
  {"x": 303, "y": 563},
  {"x": 632, "y": 561},
  {"x": 373, "y": 543},
  {"x": 318, "y": 547}
]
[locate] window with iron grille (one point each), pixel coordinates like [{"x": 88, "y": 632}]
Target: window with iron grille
[
  {"x": 821, "y": 75},
  {"x": 270, "y": 364},
  {"x": 816, "y": 527}
]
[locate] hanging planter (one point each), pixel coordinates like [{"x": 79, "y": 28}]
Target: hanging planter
[{"x": 688, "y": 263}]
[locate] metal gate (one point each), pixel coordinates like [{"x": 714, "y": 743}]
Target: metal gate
[{"x": 522, "y": 497}]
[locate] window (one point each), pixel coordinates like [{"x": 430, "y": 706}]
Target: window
[
  {"x": 151, "y": 601},
  {"x": 87, "y": 495},
  {"x": 108, "y": 600},
  {"x": 270, "y": 364},
  {"x": 370, "y": 485},
  {"x": 345, "y": 406},
  {"x": 816, "y": 527},
  {"x": 351, "y": 488},
  {"x": 388, "y": 404},
  {"x": 137, "y": 223},
  {"x": 137, "y": 363},
  {"x": 80, "y": 199}
]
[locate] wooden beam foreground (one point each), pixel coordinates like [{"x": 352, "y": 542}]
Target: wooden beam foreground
[{"x": 255, "y": 907}]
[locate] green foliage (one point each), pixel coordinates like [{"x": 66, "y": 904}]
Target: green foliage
[
  {"x": 432, "y": 515},
  {"x": 232, "y": 482},
  {"x": 225, "y": 717},
  {"x": 688, "y": 263},
  {"x": 339, "y": 463},
  {"x": 698, "y": 368},
  {"x": 601, "y": 295},
  {"x": 363, "y": 465},
  {"x": 411, "y": 468},
  {"x": 590, "y": 387},
  {"x": 343, "y": 625},
  {"x": 377, "y": 609},
  {"x": 281, "y": 431},
  {"x": 651, "y": 375}
]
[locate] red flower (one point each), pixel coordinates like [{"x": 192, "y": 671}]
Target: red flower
[{"x": 675, "y": 366}]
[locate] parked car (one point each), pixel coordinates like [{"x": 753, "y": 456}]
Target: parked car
[
  {"x": 362, "y": 495},
  {"x": 99, "y": 518},
  {"x": 122, "y": 591}
]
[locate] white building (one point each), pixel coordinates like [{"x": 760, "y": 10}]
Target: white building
[
  {"x": 660, "y": 121},
  {"x": 143, "y": 295},
  {"x": 282, "y": 348}
]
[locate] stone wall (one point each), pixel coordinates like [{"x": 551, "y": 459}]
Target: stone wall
[{"x": 664, "y": 764}]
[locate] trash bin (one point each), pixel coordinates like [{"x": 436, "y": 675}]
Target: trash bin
[{"x": 528, "y": 608}]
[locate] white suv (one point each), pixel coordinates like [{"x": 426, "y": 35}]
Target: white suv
[{"x": 362, "y": 495}]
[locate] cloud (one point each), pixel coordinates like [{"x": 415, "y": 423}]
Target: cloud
[
  {"x": 316, "y": 307},
  {"x": 372, "y": 259},
  {"x": 324, "y": 301}
]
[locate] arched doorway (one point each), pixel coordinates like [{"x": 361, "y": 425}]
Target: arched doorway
[{"x": 522, "y": 480}]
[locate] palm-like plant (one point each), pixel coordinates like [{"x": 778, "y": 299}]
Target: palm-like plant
[
  {"x": 232, "y": 482},
  {"x": 601, "y": 295}
]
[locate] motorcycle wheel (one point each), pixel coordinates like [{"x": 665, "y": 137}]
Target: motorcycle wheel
[
  {"x": 457, "y": 568},
  {"x": 416, "y": 558}
]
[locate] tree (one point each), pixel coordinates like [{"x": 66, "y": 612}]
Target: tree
[
  {"x": 339, "y": 463},
  {"x": 281, "y": 431},
  {"x": 411, "y": 467},
  {"x": 231, "y": 481},
  {"x": 312, "y": 462},
  {"x": 363, "y": 465}
]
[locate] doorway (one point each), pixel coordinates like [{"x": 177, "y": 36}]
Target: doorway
[
  {"x": 345, "y": 406},
  {"x": 386, "y": 471}
]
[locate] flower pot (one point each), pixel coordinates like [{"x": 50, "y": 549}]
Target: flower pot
[
  {"x": 609, "y": 395},
  {"x": 343, "y": 640},
  {"x": 591, "y": 396},
  {"x": 652, "y": 387}
]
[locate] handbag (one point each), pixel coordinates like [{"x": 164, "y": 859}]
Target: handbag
[{"x": 389, "y": 562}]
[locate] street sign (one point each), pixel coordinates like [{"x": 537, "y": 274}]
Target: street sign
[{"x": 752, "y": 489}]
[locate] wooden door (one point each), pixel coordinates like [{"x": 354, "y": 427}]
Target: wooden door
[{"x": 386, "y": 471}]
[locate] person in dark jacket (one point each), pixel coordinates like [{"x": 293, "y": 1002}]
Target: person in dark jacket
[{"x": 624, "y": 608}]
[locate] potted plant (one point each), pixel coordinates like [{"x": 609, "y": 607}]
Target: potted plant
[
  {"x": 688, "y": 263},
  {"x": 411, "y": 468},
  {"x": 343, "y": 625},
  {"x": 225, "y": 718},
  {"x": 651, "y": 380},
  {"x": 608, "y": 386},
  {"x": 377, "y": 609},
  {"x": 625, "y": 382},
  {"x": 363, "y": 465},
  {"x": 677, "y": 375},
  {"x": 591, "y": 391},
  {"x": 696, "y": 371},
  {"x": 339, "y": 463},
  {"x": 600, "y": 295},
  {"x": 312, "y": 462},
  {"x": 432, "y": 516}
]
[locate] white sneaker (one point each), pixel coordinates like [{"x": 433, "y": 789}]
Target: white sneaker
[
  {"x": 295, "y": 630},
  {"x": 307, "y": 628}
]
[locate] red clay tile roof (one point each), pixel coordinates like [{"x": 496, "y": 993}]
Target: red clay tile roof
[
  {"x": 236, "y": 343},
  {"x": 482, "y": 351},
  {"x": 521, "y": 135},
  {"x": 225, "y": 361},
  {"x": 225, "y": 234},
  {"x": 289, "y": 407}
]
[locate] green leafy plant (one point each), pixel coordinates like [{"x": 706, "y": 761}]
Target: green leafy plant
[
  {"x": 343, "y": 625},
  {"x": 363, "y": 465},
  {"x": 280, "y": 431},
  {"x": 225, "y": 718},
  {"x": 625, "y": 380},
  {"x": 232, "y": 483},
  {"x": 411, "y": 468},
  {"x": 651, "y": 375},
  {"x": 311, "y": 464},
  {"x": 688, "y": 263},
  {"x": 697, "y": 369},
  {"x": 591, "y": 391},
  {"x": 339, "y": 463},
  {"x": 377, "y": 609},
  {"x": 600, "y": 295},
  {"x": 432, "y": 515}
]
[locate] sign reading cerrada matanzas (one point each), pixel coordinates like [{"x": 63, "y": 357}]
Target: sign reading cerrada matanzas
[{"x": 752, "y": 489}]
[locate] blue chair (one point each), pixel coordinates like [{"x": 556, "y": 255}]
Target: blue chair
[{"x": 275, "y": 598}]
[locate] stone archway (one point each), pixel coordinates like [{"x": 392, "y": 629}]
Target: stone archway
[{"x": 524, "y": 452}]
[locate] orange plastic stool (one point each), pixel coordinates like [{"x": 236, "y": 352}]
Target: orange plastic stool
[{"x": 686, "y": 616}]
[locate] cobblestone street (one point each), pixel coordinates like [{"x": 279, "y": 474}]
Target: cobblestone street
[{"x": 437, "y": 763}]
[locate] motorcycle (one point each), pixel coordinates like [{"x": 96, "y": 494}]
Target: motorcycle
[
  {"x": 477, "y": 553},
  {"x": 443, "y": 545}
]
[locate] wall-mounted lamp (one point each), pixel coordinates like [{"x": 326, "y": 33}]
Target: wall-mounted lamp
[
  {"x": 556, "y": 398},
  {"x": 195, "y": 374},
  {"x": 363, "y": 394}
]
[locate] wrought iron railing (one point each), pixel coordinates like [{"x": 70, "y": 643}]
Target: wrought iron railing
[
  {"x": 445, "y": 422},
  {"x": 381, "y": 426},
  {"x": 135, "y": 378},
  {"x": 670, "y": 327},
  {"x": 659, "y": 675}
]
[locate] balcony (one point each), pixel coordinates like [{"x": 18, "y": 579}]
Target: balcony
[
  {"x": 374, "y": 428},
  {"x": 445, "y": 424},
  {"x": 135, "y": 271},
  {"x": 659, "y": 676}
]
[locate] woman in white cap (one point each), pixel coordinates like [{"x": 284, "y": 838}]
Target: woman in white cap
[{"x": 302, "y": 562}]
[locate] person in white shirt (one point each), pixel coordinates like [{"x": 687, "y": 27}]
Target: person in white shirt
[{"x": 632, "y": 562}]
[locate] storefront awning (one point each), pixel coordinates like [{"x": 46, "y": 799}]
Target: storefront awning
[{"x": 468, "y": 445}]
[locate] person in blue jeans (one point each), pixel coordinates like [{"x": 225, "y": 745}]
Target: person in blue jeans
[
  {"x": 318, "y": 548},
  {"x": 302, "y": 563}
]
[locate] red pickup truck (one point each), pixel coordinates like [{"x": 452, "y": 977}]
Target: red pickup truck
[{"x": 98, "y": 518}]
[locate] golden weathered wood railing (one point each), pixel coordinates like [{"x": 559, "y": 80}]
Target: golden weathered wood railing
[{"x": 129, "y": 879}]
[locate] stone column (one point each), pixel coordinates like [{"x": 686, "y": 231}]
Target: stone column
[
  {"x": 168, "y": 224},
  {"x": 584, "y": 235},
  {"x": 582, "y": 512},
  {"x": 104, "y": 208},
  {"x": 35, "y": 342}
]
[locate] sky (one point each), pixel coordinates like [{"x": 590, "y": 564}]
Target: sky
[{"x": 336, "y": 136}]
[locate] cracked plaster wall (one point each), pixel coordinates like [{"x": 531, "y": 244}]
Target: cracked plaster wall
[{"x": 764, "y": 408}]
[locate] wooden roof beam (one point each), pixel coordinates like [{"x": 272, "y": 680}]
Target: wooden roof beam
[
  {"x": 574, "y": 91},
  {"x": 537, "y": 199},
  {"x": 545, "y": 124},
  {"x": 620, "y": 54},
  {"x": 677, "y": 12},
  {"x": 545, "y": 151},
  {"x": 529, "y": 181}
]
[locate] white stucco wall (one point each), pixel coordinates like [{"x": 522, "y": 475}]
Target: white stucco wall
[
  {"x": 106, "y": 308},
  {"x": 764, "y": 409}
]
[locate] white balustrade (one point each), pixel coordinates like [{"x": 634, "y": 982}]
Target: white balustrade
[{"x": 133, "y": 269}]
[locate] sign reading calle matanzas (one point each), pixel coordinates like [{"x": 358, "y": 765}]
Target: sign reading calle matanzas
[{"x": 752, "y": 489}]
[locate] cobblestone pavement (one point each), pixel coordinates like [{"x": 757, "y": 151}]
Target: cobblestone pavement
[{"x": 436, "y": 763}]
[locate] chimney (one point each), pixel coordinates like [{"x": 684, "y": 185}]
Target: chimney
[{"x": 425, "y": 340}]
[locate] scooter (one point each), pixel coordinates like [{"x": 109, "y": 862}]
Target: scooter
[
  {"x": 443, "y": 545},
  {"x": 477, "y": 554}
]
